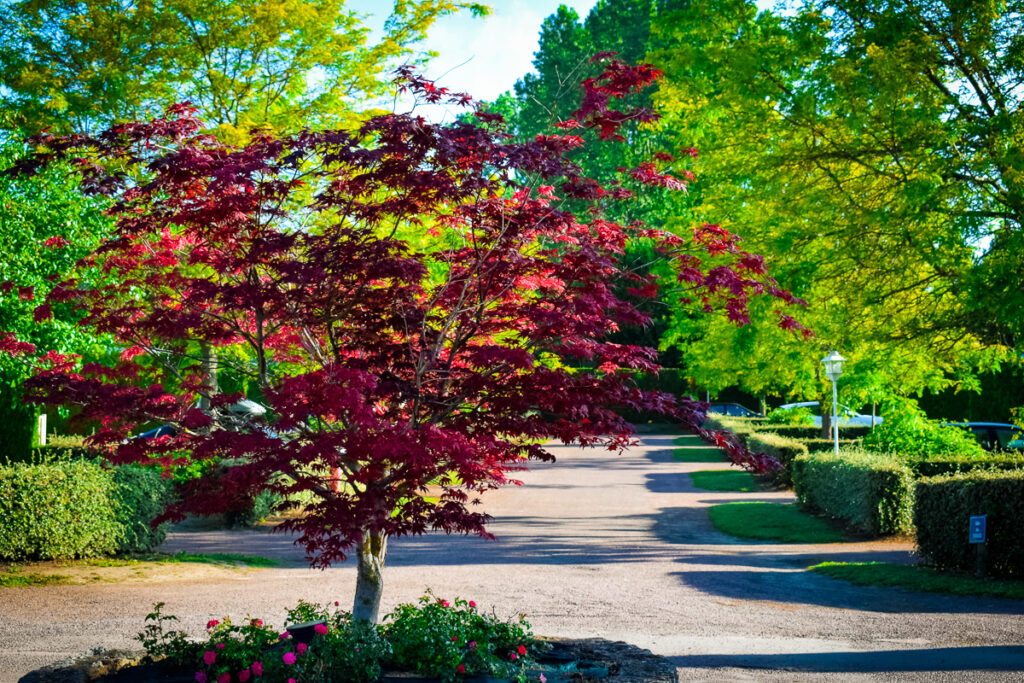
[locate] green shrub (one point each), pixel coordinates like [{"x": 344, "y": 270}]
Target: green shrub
[
  {"x": 143, "y": 494},
  {"x": 58, "y": 510},
  {"x": 815, "y": 445},
  {"x": 908, "y": 430},
  {"x": 944, "y": 506},
  {"x": 790, "y": 416},
  {"x": 779, "y": 447},
  {"x": 873, "y": 493},
  {"x": 805, "y": 433},
  {"x": 953, "y": 464}
]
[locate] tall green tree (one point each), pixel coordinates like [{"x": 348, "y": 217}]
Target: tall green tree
[
  {"x": 282, "y": 64},
  {"x": 832, "y": 141},
  {"x": 47, "y": 225}
]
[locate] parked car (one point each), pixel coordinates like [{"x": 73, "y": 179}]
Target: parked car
[
  {"x": 995, "y": 436},
  {"x": 847, "y": 416},
  {"x": 243, "y": 408},
  {"x": 732, "y": 410}
]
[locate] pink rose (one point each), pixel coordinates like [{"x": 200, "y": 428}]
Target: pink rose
[
  {"x": 224, "y": 678},
  {"x": 220, "y": 646},
  {"x": 283, "y": 635},
  {"x": 514, "y": 656},
  {"x": 301, "y": 647},
  {"x": 211, "y": 623},
  {"x": 243, "y": 675},
  {"x": 455, "y": 639},
  {"x": 209, "y": 657},
  {"x": 321, "y": 629},
  {"x": 289, "y": 658},
  {"x": 472, "y": 644},
  {"x": 472, "y": 604},
  {"x": 257, "y": 668},
  {"x": 200, "y": 677},
  {"x": 460, "y": 669}
]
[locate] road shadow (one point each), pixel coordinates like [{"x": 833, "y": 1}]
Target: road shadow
[{"x": 980, "y": 658}]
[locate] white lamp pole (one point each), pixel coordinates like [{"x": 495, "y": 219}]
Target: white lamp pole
[{"x": 833, "y": 363}]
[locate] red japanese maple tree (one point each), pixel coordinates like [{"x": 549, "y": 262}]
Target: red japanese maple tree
[{"x": 413, "y": 303}]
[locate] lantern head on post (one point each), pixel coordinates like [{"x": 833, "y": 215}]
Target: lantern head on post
[{"x": 833, "y": 363}]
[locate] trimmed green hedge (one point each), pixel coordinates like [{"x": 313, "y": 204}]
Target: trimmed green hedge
[
  {"x": 872, "y": 493},
  {"x": 938, "y": 466},
  {"x": 783, "y": 449},
  {"x": 815, "y": 445},
  {"x": 942, "y": 510},
  {"x": 77, "y": 508},
  {"x": 806, "y": 433}
]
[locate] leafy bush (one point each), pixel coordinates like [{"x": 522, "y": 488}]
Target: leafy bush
[
  {"x": 943, "y": 509},
  {"x": 790, "y": 416},
  {"x": 961, "y": 464},
  {"x": 783, "y": 449},
  {"x": 435, "y": 638},
  {"x": 815, "y": 445},
  {"x": 143, "y": 494},
  {"x": 908, "y": 430},
  {"x": 871, "y": 492},
  {"x": 58, "y": 510},
  {"x": 805, "y": 433}
]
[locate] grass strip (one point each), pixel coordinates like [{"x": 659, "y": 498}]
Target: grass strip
[
  {"x": 689, "y": 440},
  {"x": 692, "y": 454},
  {"x": 17, "y": 579},
  {"x": 211, "y": 558},
  {"x": 772, "y": 522},
  {"x": 917, "y": 578},
  {"x": 725, "y": 480}
]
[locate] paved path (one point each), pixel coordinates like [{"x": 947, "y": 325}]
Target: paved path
[{"x": 594, "y": 545}]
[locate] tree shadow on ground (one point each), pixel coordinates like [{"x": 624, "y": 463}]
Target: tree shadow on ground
[{"x": 980, "y": 658}]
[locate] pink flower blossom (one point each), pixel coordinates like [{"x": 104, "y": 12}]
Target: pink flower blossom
[
  {"x": 289, "y": 658},
  {"x": 543, "y": 678},
  {"x": 513, "y": 656},
  {"x": 455, "y": 639},
  {"x": 472, "y": 604},
  {"x": 291, "y": 680},
  {"x": 256, "y": 622},
  {"x": 200, "y": 677},
  {"x": 220, "y": 646},
  {"x": 224, "y": 678},
  {"x": 472, "y": 644},
  {"x": 257, "y": 668},
  {"x": 460, "y": 669},
  {"x": 243, "y": 675},
  {"x": 301, "y": 647},
  {"x": 211, "y": 623},
  {"x": 321, "y": 629},
  {"x": 284, "y": 635},
  {"x": 521, "y": 649},
  {"x": 336, "y": 603},
  {"x": 209, "y": 657},
  {"x": 445, "y": 603}
]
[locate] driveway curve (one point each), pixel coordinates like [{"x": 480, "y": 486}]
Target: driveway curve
[{"x": 595, "y": 544}]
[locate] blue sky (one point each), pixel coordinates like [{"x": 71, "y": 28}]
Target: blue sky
[{"x": 485, "y": 57}]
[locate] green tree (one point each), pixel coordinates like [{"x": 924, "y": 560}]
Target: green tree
[
  {"x": 829, "y": 141},
  {"x": 47, "y": 225},
  {"x": 283, "y": 64}
]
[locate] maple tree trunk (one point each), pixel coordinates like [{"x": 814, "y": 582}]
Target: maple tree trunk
[{"x": 370, "y": 555}]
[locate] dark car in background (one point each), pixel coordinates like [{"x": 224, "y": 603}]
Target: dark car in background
[
  {"x": 995, "y": 436},
  {"x": 732, "y": 410}
]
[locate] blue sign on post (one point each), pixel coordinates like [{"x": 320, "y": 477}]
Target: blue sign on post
[{"x": 977, "y": 534}]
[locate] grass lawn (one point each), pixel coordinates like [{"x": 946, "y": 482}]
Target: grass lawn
[
  {"x": 919, "y": 579},
  {"x": 695, "y": 449},
  {"x": 725, "y": 480},
  {"x": 772, "y": 522},
  {"x": 49, "y": 573}
]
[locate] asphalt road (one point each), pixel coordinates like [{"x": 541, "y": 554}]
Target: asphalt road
[{"x": 597, "y": 544}]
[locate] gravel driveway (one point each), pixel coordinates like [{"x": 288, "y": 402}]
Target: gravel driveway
[{"x": 618, "y": 547}]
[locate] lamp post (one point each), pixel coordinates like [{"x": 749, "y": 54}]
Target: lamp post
[{"x": 833, "y": 363}]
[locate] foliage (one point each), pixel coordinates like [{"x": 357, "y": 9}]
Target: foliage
[
  {"x": 724, "y": 480},
  {"x": 47, "y": 225},
  {"x": 445, "y": 640},
  {"x": 791, "y": 416},
  {"x": 873, "y": 493},
  {"x": 906, "y": 430},
  {"x": 58, "y": 510},
  {"x": 918, "y": 578},
  {"x": 842, "y": 141},
  {"x": 408, "y": 298},
  {"x": 962, "y": 464},
  {"x": 784, "y": 449},
  {"x": 437, "y": 637},
  {"x": 279, "y": 64},
  {"x": 772, "y": 522},
  {"x": 943, "y": 509},
  {"x": 143, "y": 494}
]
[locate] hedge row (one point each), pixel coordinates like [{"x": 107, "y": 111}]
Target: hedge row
[
  {"x": 809, "y": 432},
  {"x": 77, "y": 508},
  {"x": 937, "y": 466},
  {"x": 783, "y": 449},
  {"x": 872, "y": 493},
  {"x": 943, "y": 510}
]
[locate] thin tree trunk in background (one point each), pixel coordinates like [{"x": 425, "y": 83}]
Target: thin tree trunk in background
[
  {"x": 370, "y": 554},
  {"x": 209, "y": 356}
]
